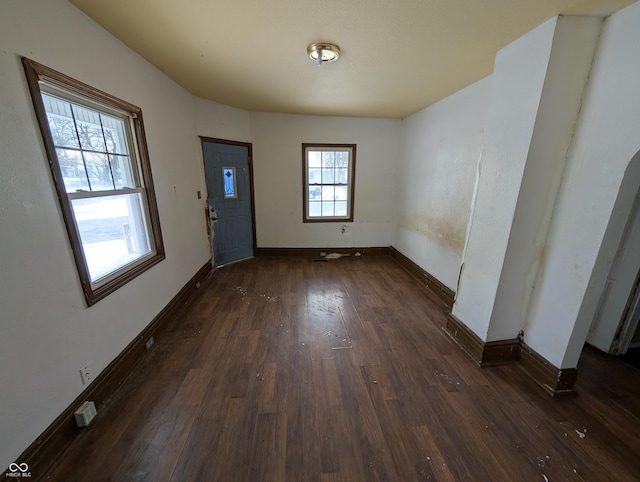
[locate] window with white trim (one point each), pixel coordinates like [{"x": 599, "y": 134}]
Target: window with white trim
[
  {"x": 328, "y": 182},
  {"x": 98, "y": 158}
]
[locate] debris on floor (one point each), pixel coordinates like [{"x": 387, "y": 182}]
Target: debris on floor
[
  {"x": 334, "y": 256},
  {"x": 240, "y": 290}
]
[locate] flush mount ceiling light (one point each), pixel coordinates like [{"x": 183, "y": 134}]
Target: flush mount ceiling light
[{"x": 323, "y": 52}]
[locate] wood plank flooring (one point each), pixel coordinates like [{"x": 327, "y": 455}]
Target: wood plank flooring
[{"x": 290, "y": 369}]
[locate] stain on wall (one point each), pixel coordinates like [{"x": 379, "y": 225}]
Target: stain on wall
[
  {"x": 441, "y": 148},
  {"x": 447, "y": 232}
]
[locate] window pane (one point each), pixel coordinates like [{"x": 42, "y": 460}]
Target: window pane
[
  {"x": 89, "y": 128},
  {"x": 98, "y": 171},
  {"x": 341, "y": 192},
  {"x": 114, "y": 135},
  {"x": 328, "y": 193},
  {"x": 327, "y": 208},
  {"x": 73, "y": 172},
  {"x": 315, "y": 159},
  {"x": 327, "y": 176},
  {"x": 229, "y": 179},
  {"x": 342, "y": 176},
  {"x": 315, "y": 176},
  {"x": 328, "y": 159},
  {"x": 315, "y": 208},
  {"x": 341, "y": 208},
  {"x": 342, "y": 159},
  {"x": 122, "y": 172},
  {"x": 112, "y": 230},
  {"x": 315, "y": 192},
  {"x": 61, "y": 124}
]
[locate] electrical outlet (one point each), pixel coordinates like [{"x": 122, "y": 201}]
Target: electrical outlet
[
  {"x": 149, "y": 343},
  {"x": 85, "y": 413},
  {"x": 86, "y": 375}
]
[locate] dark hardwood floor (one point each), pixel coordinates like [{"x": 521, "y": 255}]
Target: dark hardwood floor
[{"x": 290, "y": 369}]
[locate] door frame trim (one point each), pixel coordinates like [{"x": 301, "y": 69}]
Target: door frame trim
[
  {"x": 249, "y": 147},
  {"x": 629, "y": 321}
]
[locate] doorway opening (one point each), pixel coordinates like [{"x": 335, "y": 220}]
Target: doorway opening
[{"x": 614, "y": 328}]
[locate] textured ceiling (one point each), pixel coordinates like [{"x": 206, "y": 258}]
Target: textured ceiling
[{"x": 398, "y": 56}]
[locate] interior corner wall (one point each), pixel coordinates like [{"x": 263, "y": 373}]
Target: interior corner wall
[
  {"x": 221, "y": 121},
  {"x": 516, "y": 88},
  {"x": 440, "y": 150},
  {"x": 47, "y": 332},
  {"x": 277, "y": 160},
  {"x": 607, "y": 138},
  {"x": 574, "y": 43}
]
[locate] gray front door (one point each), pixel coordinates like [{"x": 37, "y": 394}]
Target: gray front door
[{"x": 228, "y": 175}]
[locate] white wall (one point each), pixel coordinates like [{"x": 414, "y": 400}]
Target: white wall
[
  {"x": 572, "y": 51},
  {"x": 607, "y": 138},
  {"x": 516, "y": 88},
  {"x": 542, "y": 236},
  {"x": 277, "y": 156},
  {"x": 440, "y": 150},
  {"x": 46, "y": 332},
  {"x": 222, "y": 121}
]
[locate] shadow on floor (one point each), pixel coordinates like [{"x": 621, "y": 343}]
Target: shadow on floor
[{"x": 632, "y": 357}]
